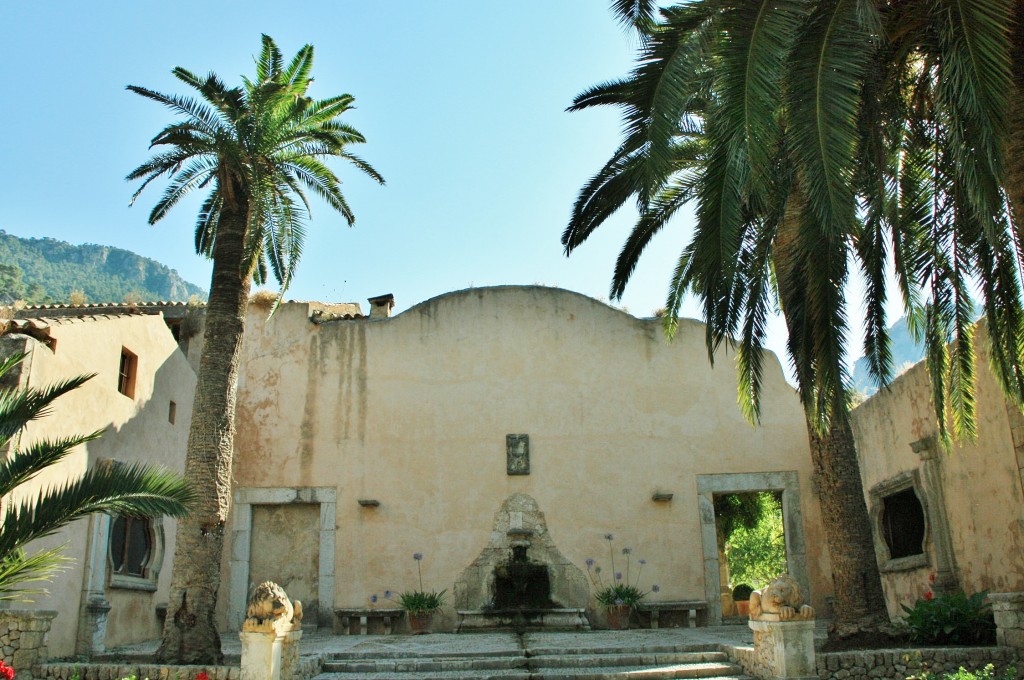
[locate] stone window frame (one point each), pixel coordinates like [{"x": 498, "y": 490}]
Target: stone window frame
[
  {"x": 241, "y": 544},
  {"x": 151, "y": 567},
  {"x": 910, "y": 479},
  {"x": 786, "y": 482}
]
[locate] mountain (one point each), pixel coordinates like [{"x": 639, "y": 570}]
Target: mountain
[
  {"x": 905, "y": 353},
  {"x": 40, "y": 270}
]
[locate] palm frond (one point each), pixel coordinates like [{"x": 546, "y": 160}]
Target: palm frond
[
  {"x": 20, "y": 406},
  {"x": 829, "y": 62},
  {"x": 133, "y": 490},
  {"x": 19, "y": 568}
]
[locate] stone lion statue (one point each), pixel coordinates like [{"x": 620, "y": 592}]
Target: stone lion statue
[
  {"x": 782, "y": 597},
  {"x": 269, "y": 603}
]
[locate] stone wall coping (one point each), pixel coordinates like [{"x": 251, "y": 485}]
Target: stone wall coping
[
  {"x": 29, "y": 613},
  {"x": 1006, "y": 598},
  {"x": 919, "y": 652}
]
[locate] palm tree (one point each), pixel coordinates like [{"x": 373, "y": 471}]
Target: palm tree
[
  {"x": 813, "y": 137},
  {"x": 258, "y": 148},
  {"x": 133, "y": 490}
]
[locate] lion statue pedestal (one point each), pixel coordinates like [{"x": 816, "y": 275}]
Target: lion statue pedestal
[
  {"x": 783, "y": 628},
  {"x": 270, "y": 635}
]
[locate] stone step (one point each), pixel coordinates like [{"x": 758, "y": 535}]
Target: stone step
[
  {"x": 426, "y": 664},
  {"x": 441, "y": 670},
  {"x": 593, "y": 658},
  {"x": 638, "y": 673},
  {"x": 638, "y": 648},
  {"x": 513, "y": 661},
  {"x": 381, "y": 654}
]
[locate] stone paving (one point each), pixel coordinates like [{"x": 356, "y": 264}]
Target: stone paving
[{"x": 317, "y": 641}]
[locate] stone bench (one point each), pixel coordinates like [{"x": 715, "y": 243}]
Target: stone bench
[
  {"x": 694, "y": 612},
  {"x": 344, "y": 618}
]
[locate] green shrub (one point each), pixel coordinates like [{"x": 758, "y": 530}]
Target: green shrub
[
  {"x": 742, "y": 592},
  {"x": 954, "y": 619},
  {"x": 986, "y": 673},
  {"x": 421, "y": 601}
]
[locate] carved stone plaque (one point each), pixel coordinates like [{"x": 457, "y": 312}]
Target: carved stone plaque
[{"x": 517, "y": 454}]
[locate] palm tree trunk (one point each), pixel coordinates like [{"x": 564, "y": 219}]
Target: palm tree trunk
[
  {"x": 190, "y": 631},
  {"x": 856, "y": 582},
  {"x": 858, "y": 597}
]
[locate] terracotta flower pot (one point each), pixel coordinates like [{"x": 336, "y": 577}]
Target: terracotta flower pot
[
  {"x": 743, "y": 607},
  {"x": 618, "y": 616},
  {"x": 419, "y": 624}
]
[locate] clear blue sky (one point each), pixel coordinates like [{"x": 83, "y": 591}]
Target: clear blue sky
[{"x": 462, "y": 104}]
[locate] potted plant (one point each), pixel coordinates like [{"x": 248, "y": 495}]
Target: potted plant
[
  {"x": 741, "y": 596},
  {"x": 622, "y": 594},
  {"x": 421, "y": 604}
]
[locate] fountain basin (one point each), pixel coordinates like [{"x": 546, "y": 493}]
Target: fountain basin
[{"x": 521, "y": 618}]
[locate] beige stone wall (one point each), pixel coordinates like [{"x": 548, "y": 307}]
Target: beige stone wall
[
  {"x": 136, "y": 430},
  {"x": 413, "y": 411},
  {"x": 980, "y": 481}
]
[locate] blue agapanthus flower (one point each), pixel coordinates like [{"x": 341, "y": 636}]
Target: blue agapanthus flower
[
  {"x": 655, "y": 589},
  {"x": 373, "y": 598},
  {"x": 590, "y": 562},
  {"x": 609, "y": 537},
  {"x": 417, "y": 556},
  {"x": 618, "y": 576}
]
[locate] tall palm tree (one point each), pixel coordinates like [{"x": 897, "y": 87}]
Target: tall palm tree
[
  {"x": 258, "y": 148},
  {"x": 133, "y": 490},
  {"x": 815, "y": 136}
]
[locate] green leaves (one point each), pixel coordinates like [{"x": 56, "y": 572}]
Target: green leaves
[
  {"x": 421, "y": 601},
  {"x": 815, "y": 137},
  {"x": 951, "y": 619},
  {"x": 257, "y": 148},
  {"x": 134, "y": 490}
]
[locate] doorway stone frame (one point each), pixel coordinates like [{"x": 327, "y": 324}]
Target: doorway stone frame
[
  {"x": 241, "y": 542},
  {"x": 792, "y": 518}
]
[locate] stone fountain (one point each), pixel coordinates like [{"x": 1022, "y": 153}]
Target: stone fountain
[{"x": 520, "y": 580}]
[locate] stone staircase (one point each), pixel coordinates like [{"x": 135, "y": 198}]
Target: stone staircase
[{"x": 538, "y": 663}]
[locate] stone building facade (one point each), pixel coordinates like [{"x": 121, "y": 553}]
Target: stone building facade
[
  {"x": 112, "y": 590},
  {"x": 943, "y": 519},
  {"x": 445, "y": 429},
  {"x": 469, "y": 424}
]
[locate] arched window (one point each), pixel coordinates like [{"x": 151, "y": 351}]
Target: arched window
[
  {"x": 131, "y": 545},
  {"x": 903, "y": 524},
  {"x": 135, "y": 551},
  {"x": 899, "y": 513}
]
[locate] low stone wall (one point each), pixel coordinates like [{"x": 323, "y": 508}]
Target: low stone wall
[
  {"x": 23, "y": 638},
  {"x": 309, "y": 667},
  {"x": 114, "y": 671},
  {"x": 894, "y": 664},
  {"x": 748, "y": 659},
  {"x": 1008, "y": 609},
  {"x": 903, "y": 663}
]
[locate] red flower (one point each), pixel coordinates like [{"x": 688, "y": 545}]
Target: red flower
[
  {"x": 6, "y": 672},
  {"x": 202, "y": 676},
  {"x": 931, "y": 577},
  {"x": 928, "y": 595}
]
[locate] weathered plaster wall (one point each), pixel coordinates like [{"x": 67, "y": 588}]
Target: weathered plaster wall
[
  {"x": 136, "y": 430},
  {"x": 413, "y": 411},
  {"x": 980, "y": 481}
]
